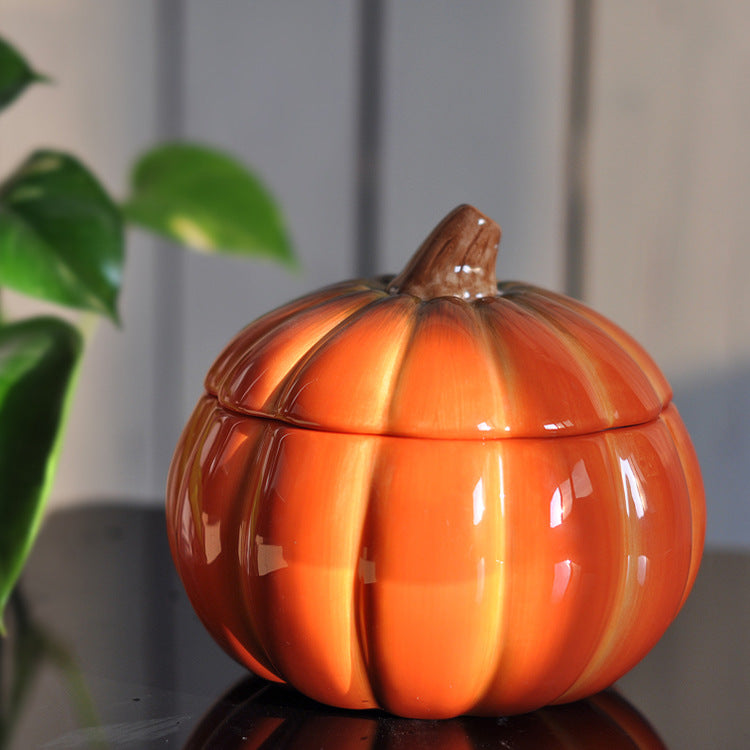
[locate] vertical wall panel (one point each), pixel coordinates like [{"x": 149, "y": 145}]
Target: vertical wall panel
[
  {"x": 670, "y": 174},
  {"x": 275, "y": 83},
  {"x": 101, "y": 55},
  {"x": 668, "y": 244},
  {"x": 475, "y": 107}
]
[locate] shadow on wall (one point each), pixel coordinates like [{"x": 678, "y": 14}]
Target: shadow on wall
[{"x": 716, "y": 410}]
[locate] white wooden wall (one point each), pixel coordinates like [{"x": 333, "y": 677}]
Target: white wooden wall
[
  {"x": 103, "y": 57},
  {"x": 474, "y": 106},
  {"x": 669, "y": 243}
]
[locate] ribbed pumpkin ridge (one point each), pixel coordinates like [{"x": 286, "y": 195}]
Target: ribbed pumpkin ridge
[{"x": 523, "y": 363}]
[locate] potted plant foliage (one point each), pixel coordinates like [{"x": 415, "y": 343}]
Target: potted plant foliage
[{"x": 62, "y": 239}]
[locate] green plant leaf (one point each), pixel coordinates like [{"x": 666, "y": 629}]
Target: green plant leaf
[
  {"x": 61, "y": 236},
  {"x": 38, "y": 359},
  {"x": 15, "y": 74},
  {"x": 206, "y": 200}
]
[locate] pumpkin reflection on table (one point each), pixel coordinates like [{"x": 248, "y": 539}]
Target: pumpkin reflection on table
[{"x": 257, "y": 716}]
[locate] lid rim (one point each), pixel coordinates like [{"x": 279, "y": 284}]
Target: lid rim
[{"x": 481, "y": 436}]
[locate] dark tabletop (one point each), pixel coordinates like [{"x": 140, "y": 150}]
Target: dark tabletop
[{"x": 104, "y": 651}]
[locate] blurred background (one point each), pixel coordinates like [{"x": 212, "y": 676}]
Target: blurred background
[{"x": 609, "y": 140}]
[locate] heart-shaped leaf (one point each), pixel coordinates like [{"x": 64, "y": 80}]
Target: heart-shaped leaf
[
  {"x": 206, "y": 200},
  {"x": 38, "y": 360},
  {"x": 15, "y": 74},
  {"x": 61, "y": 236}
]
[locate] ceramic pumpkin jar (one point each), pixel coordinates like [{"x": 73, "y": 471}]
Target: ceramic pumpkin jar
[{"x": 436, "y": 494}]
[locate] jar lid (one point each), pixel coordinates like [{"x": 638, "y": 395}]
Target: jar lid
[{"x": 441, "y": 351}]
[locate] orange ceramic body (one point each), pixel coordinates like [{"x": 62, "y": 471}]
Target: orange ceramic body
[{"x": 477, "y": 504}]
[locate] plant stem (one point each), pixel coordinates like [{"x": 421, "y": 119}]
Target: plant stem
[{"x": 33, "y": 645}]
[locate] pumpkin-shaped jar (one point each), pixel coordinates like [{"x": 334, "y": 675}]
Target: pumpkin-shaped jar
[{"x": 436, "y": 494}]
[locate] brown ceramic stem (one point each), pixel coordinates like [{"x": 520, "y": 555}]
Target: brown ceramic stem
[{"x": 456, "y": 260}]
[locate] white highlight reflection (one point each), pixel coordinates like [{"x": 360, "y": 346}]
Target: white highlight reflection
[
  {"x": 211, "y": 538},
  {"x": 478, "y": 499},
  {"x": 642, "y": 568},
  {"x": 581, "y": 480},
  {"x": 270, "y": 557},
  {"x": 633, "y": 489},
  {"x": 366, "y": 568},
  {"x": 561, "y": 504},
  {"x": 563, "y": 576},
  {"x": 502, "y": 487},
  {"x": 553, "y": 426}
]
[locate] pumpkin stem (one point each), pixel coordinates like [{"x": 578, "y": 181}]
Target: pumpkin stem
[{"x": 456, "y": 260}]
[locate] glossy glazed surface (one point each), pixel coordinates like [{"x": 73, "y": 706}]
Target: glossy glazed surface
[
  {"x": 460, "y": 504},
  {"x": 356, "y": 358},
  {"x": 435, "y": 577}
]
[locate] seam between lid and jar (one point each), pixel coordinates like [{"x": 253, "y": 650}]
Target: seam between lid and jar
[{"x": 551, "y": 435}]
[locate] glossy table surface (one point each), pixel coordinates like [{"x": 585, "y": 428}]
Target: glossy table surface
[{"x": 104, "y": 651}]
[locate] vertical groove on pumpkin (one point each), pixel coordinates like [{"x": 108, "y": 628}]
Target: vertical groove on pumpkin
[
  {"x": 260, "y": 327},
  {"x": 444, "y": 387},
  {"x": 570, "y": 319},
  {"x": 207, "y": 450},
  {"x": 694, "y": 489},
  {"x": 546, "y": 624},
  {"x": 540, "y": 397},
  {"x": 255, "y": 375},
  {"x": 601, "y": 401},
  {"x": 398, "y": 372},
  {"x": 490, "y": 312},
  {"x": 178, "y": 475},
  {"x": 179, "y": 497},
  {"x": 499, "y": 358},
  {"x": 638, "y": 354},
  {"x": 561, "y": 461},
  {"x": 495, "y": 372},
  {"x": 246, "y": 563},
  {"x": 193, "y": 489},
  {"x": 275, "y": 401},
  {"x": 625, "y": 601},
  {"x": 298, "y": 399},
  {"x": 496, "y": 492},
  {"x": 684, "y": 501},
  {"x": 365, "y": 577},
  {"x": 655, "y": 525},
  {"x": 302, "y": 544},
  {"x": 589, "y": 488},
  {"x": 243, "y": 519},
  {"x": 360, "y": 497}
]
